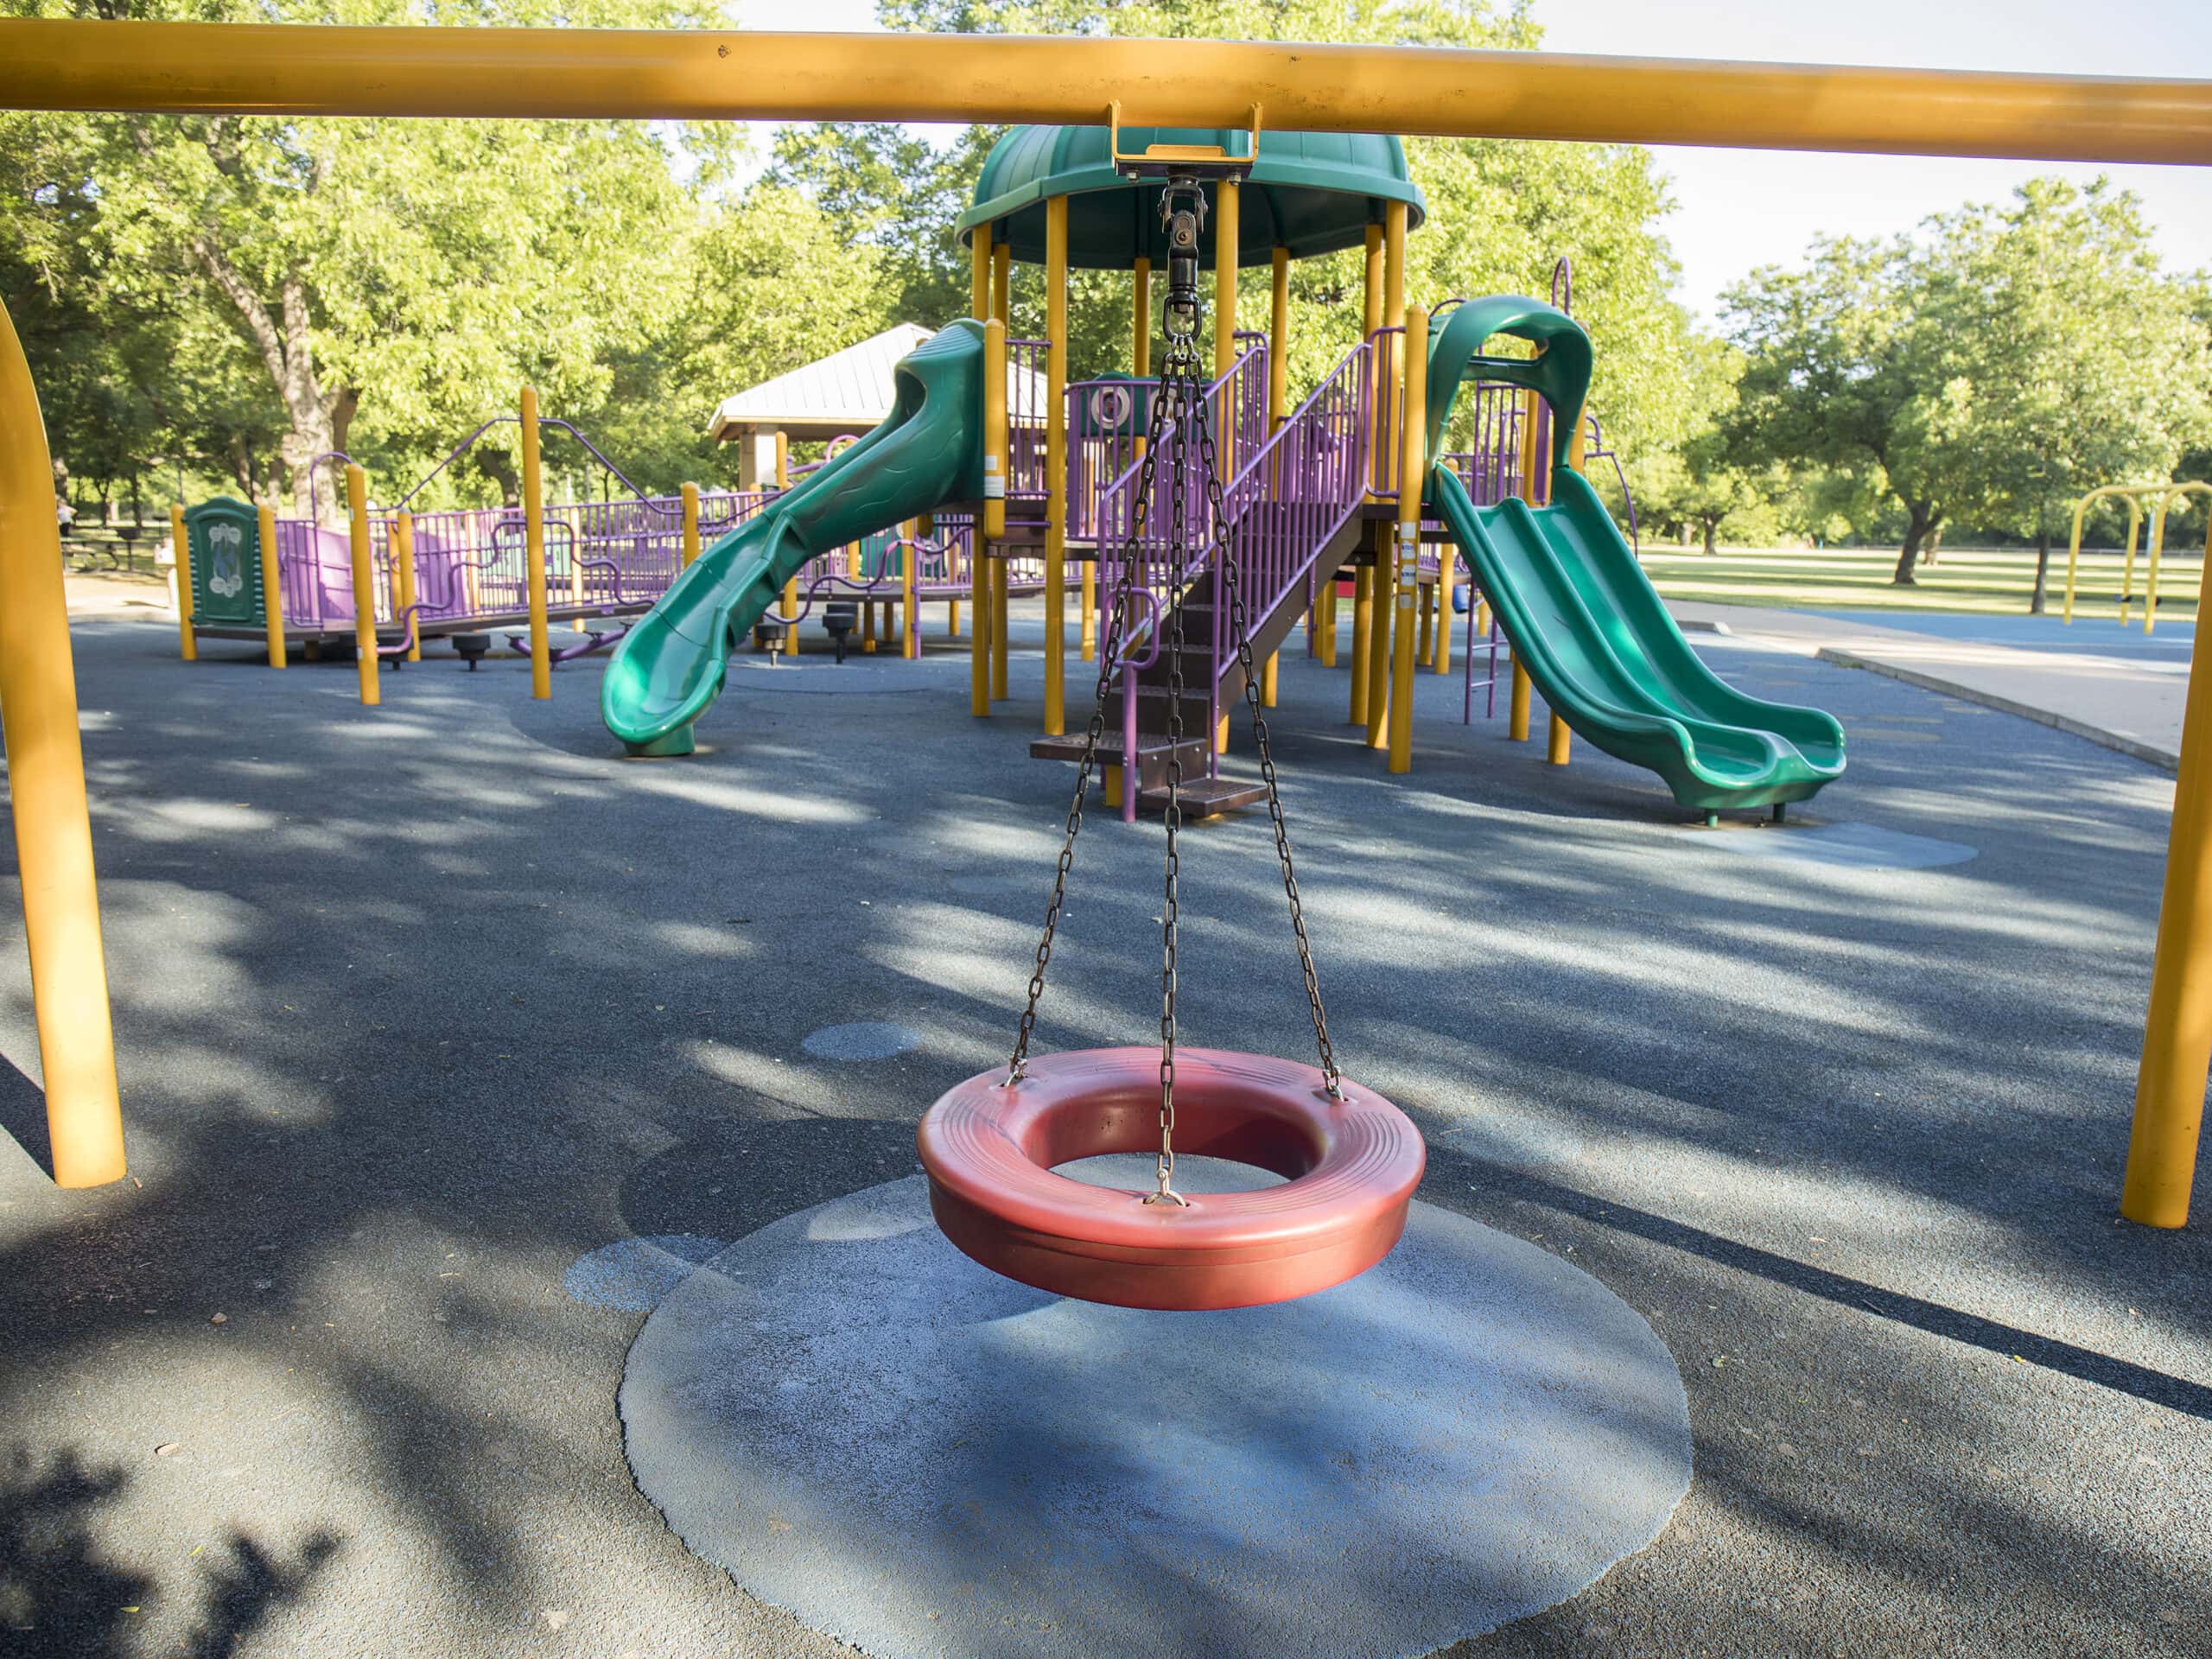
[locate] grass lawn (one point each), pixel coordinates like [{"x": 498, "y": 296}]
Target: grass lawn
[{"x": 1989, "y": 580}]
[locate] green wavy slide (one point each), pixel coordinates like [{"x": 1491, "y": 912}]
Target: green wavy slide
[
  {"x": 928, "y": 451},
  {"x": 1581, "y": 616}
]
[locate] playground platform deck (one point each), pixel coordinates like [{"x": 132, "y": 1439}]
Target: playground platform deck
[{"x": 427, "y": 1013}]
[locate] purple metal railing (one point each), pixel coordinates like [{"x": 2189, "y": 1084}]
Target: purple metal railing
[
  {"x": 1238, "y": 403},
  {"x": 1291, "y": 497},
  {"x": 601, "y": 558},
  {"x": 1288, "y": 495}
]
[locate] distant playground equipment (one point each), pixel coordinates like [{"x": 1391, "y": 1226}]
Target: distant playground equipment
[
  {"x": 1311, "y": 495},
  {"x": 2162, "y": 494}
]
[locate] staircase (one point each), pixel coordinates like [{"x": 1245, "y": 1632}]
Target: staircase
[{"x": 1291, "y": 509}]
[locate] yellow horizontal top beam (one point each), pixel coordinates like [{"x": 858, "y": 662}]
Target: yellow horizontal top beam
[{"x": 240, "y": 68}]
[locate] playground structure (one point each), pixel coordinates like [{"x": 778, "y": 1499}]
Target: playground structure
[
  {"x": 1328, "y": 491},
  {"x": 2162, "y": 496},
  {"x": 215, "y": 68}
]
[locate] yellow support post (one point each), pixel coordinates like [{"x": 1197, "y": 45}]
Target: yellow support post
[
  {"x": 690, "y": 524},
  {"x": 1141, "y": 338},
  {"x": 1001, "y": 600},
  {"x": 1362, "y": 632},
  {"x": 365, "y": 595},
  {"x": 1141, "y": 318},
  {"x": 986, "y": 669},
  {"x": 1517, "y": 720},
  {"x": 1370, "y": 316},
  {"x": 2177, "y": 1029},
  {"x": 790, "y": 607},
  {"x": 1413, "y": 468},
  {"x": 272, "y": 585},
  {"x": 1055, "y": 465},
  {"x": 1002, "y": 284},
  {"x": 1226, "y": 231},
  {"x": 533, "y": 549},
  {"x": 181, "y": 551},
  {"x": 1380, "y": 655},
  {"x": 979, "y": 272},
  {"x": 2151, "y": 575},
  {"x": 1329, "y": 620},
  {"x": 910, "y": 627},
  {"x": 1278, "y": 409},
  {"x": 403, "y": 554},
  {"x": 46, "y": 787}
]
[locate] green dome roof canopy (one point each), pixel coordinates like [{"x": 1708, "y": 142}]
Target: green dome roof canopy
[{"x": 1312, "y": 192}]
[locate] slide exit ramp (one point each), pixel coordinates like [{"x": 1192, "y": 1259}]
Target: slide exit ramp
[{"x": 1583, "y": 618}]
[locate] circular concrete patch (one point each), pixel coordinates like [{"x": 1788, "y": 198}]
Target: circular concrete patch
[
  {"x": 634, "y": 1274},
  {"x": 1847, "y": 846},
  {"x": 924, "y": 1459},
  {"x": 864, "y": 1040}
]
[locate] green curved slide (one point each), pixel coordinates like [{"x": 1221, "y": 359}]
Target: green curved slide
[
  {"x": 1581, "y": 616},
  {"x": 928, "y": 451}
]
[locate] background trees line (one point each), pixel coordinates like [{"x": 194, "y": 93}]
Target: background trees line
[{"x": 213, "y": 303}]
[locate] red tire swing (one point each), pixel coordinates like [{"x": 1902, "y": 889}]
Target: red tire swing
[{"x": 990, "y": 1146}]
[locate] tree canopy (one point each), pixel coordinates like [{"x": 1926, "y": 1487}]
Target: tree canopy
[{"x": 231, "y": 298}]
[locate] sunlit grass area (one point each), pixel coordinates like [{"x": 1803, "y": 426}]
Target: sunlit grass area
[{"x": 1992, "y": 580}]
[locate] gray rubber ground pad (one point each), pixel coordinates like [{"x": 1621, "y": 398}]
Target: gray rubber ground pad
[{"x": 923, "y": 1458}]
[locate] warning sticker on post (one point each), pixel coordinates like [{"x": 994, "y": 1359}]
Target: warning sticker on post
[{"x": 994, "y": 481}]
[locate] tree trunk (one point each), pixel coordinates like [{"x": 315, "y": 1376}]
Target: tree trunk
[
  {"x": 2037, "y": 600},
  {"x": 1919, "y": 525},
  {"x": 1712, "y": 535},
  {"x": 319, "y": 417},
  {"x": 1933, "y": 545}
]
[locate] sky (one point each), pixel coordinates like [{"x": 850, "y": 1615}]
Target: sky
[{"x": 1736, "y": 210}]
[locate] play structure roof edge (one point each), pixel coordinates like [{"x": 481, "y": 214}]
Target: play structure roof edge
[{"x": 1312, "y": 192}]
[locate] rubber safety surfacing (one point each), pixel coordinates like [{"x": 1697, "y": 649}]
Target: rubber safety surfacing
[{"x": 1350, "y": 1165}]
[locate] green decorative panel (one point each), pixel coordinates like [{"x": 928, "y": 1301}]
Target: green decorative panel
[{"x": 224, "y": 538}]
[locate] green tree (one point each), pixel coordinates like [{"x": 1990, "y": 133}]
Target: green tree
[
  {"x": 2083, "y": 364},
  {"x": 1704, "y": 482},
  {"x": 1849, "y": 370},
  {"x": 386, "y": 270}
]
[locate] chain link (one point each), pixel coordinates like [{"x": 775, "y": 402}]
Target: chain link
[
  {"x": 1232, "y": 584},
  {"x": 1179, "y": 408},
  {"x": 1109, "y": 649}
]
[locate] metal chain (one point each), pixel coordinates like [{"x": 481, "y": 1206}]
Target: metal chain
[
  {"x": 1179, "y": 406},
  {"x": 1180, "y": 374},
  {"x": 1109, "y": 649},
  {"x": 1232, "y": 584}
]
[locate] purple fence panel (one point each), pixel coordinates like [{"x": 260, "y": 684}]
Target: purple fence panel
[{"x": 1026, "y": 416}]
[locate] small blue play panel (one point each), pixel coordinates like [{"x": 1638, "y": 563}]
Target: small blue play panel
[{"x": 930, "y": 1462}]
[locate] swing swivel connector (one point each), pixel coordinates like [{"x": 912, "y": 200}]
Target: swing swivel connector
[{"x": 1183, "y": 215}]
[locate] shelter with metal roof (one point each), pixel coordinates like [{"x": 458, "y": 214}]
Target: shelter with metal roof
[{"x": 847, "y": 391}]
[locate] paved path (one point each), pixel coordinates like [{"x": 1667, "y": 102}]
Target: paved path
[{"x": 2094, "y": 679}]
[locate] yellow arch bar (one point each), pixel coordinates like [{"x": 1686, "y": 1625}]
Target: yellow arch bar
[
  {"x": 291, "y": 69},
  {"x": 2165, "y": 491}
]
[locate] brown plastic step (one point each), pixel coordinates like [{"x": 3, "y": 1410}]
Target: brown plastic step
[
  {"x": 1204, "y": 797},
  {"x": 1151, "y": 749}
]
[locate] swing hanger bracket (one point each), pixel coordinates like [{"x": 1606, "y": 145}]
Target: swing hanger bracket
[{"x": 1159, "y": 161}]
